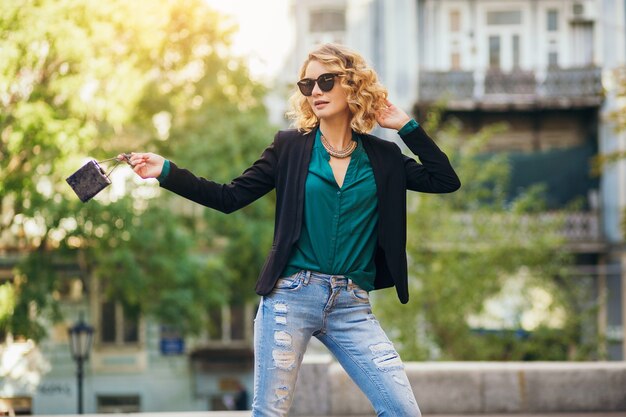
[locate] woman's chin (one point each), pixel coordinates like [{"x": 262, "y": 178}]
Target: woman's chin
[{"x": 326, "y": 114}]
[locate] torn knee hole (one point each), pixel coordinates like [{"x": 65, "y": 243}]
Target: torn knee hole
[
  {"x": 282, "y": 338},
  {"x": 385, "y": 356},
  {"x": 390, "y": 360},
  {"x": 380, "y": 348},
  {"x": 284, "y": 359}
]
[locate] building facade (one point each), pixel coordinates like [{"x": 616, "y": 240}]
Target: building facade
[
  {"x": 135, "y": 364},
  {"x": 543, "y": 67}
]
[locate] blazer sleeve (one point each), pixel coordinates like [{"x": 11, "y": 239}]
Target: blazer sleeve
[
  {"x": 253, "y": 183},
  {"x": 435, "y": 173}
]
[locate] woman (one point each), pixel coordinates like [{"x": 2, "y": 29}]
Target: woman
[{"x": 340, "y": 228}]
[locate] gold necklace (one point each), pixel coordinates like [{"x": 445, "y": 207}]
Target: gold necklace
[{"x": 343, "y": 153}]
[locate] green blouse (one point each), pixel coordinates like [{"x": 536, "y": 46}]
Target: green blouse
[{"x": 339, "y": 230}]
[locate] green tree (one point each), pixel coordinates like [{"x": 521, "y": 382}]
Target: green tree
[
  {"x": 618, "y": 117},
  {"x": 463, "y": 247},
  {"x": 83, "y": 78}
]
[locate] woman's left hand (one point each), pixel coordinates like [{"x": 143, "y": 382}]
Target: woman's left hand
[{"x": 392, "y": 117}]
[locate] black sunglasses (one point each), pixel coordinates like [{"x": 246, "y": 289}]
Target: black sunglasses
[{"x": 326, "y": 82}]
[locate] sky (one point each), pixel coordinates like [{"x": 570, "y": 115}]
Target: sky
[{"x": 265, "y": 33}]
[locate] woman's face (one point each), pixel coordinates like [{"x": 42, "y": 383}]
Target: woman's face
[{"x": 326, "y": 104}]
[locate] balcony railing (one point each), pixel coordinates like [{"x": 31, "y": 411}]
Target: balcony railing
[
  {"x": 580, "y": 227},
  {"x": 577, "y": 231},
  {"x": 571, "y": 87}
]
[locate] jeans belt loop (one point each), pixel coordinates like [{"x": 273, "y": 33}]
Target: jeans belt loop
[
  {"x": 307, "y": 277},
  {"x": 349, "y": 283}
]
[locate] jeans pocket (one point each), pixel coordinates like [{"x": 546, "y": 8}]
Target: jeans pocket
[
  {"x": 360, "y": 294},
  {"x": 289, "y": 283}
]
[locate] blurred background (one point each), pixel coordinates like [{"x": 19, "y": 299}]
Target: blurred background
[{"x": 153, "y": 296}]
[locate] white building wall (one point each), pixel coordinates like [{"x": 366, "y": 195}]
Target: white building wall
[
  {"x": 612, "y": 38},
  {"x": 162, "y": 383},
  {"x": 472, "y": 41}
]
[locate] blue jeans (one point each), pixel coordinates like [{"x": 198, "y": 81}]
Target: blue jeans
[{"x": 337, "y": 312}]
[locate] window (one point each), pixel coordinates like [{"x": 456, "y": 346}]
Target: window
[
  {"x": 237, "y": 323},
  {"x": 215, "y": 324},
  {"x": 130, "y": 329},
  {"x": 578, "y": 9},
  {"x": 553, "y": 21},
  {"x": 228, "y": 323},
  {"x": 494, "y": 52},
  {"x": 582, "y": 43},
  {"x": 516, "y": 51},
  {"x": 108, "y": 323},
  {"x": 553, "y": 59},
  {"x": 455, "y": 21},
  {"x": 119, "y": 404},
  {"x": 512, "y": 17},
  {"x": 69, "y": 289},
  {"x": 328, "y": 20},
  {"x": 118, "y": 326},
  {"x": 455, "y": 61}
]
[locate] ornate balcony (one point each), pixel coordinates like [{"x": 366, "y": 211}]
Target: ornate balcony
[
  {"x": 494, "y": 90},
  {"x": 580, "y": 232}
]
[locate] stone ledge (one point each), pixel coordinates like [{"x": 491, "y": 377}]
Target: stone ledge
[{"x": 476, "y": 387}]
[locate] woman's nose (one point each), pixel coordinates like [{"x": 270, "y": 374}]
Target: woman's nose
[{"x": 317, "y": 90}]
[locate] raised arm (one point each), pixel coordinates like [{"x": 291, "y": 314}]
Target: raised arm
[{"x": 434, "y": 174}]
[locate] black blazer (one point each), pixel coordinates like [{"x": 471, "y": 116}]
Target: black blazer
[{"x": 284, "y": 166}]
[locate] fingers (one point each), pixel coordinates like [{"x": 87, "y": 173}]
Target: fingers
[
  {"x": 139, "y": 162},
  {"x": 139, "y": 158},
  {"x": 125, "y": 156},
  {"x": 146, "y": 165}
]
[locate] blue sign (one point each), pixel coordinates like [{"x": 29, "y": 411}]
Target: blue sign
[{"x": 172, "y": 346}]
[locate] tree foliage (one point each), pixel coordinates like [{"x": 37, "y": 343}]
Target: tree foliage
[
  {"x": 618, "y": 118},
  {"x": 463, "y": 248},
  {"x": 85, "y": 79}
]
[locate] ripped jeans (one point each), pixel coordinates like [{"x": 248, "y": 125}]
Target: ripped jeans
[{"x": 338, "y": 313}]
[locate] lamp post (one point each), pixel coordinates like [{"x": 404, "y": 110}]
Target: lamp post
[{"x": 81, "y": 336}]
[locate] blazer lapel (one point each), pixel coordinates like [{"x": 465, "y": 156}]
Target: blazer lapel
[
  {"x": 305, "y": 159},
  {"x": 377, "y": 165}
]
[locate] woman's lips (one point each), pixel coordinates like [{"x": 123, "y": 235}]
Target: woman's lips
[{"x": 320, "y": 103}]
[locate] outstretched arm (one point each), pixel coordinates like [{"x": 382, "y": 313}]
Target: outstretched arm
[{"x": 255, "y": 181}]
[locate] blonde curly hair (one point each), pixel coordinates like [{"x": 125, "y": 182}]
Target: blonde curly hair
[{"x": 364, "y": 93}]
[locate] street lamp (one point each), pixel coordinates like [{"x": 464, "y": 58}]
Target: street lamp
[{"x": 81, "y": 336}]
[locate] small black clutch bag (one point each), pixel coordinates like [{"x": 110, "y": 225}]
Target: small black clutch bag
[{"x": 90, "y": 179}]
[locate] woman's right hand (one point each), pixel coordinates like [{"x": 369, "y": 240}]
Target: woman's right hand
[{"x": 146, "y": 165}]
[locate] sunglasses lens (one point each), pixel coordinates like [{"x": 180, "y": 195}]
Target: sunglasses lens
[
  {"x": 306, "y": 87},
  {"x": 326, "y": 82}
]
